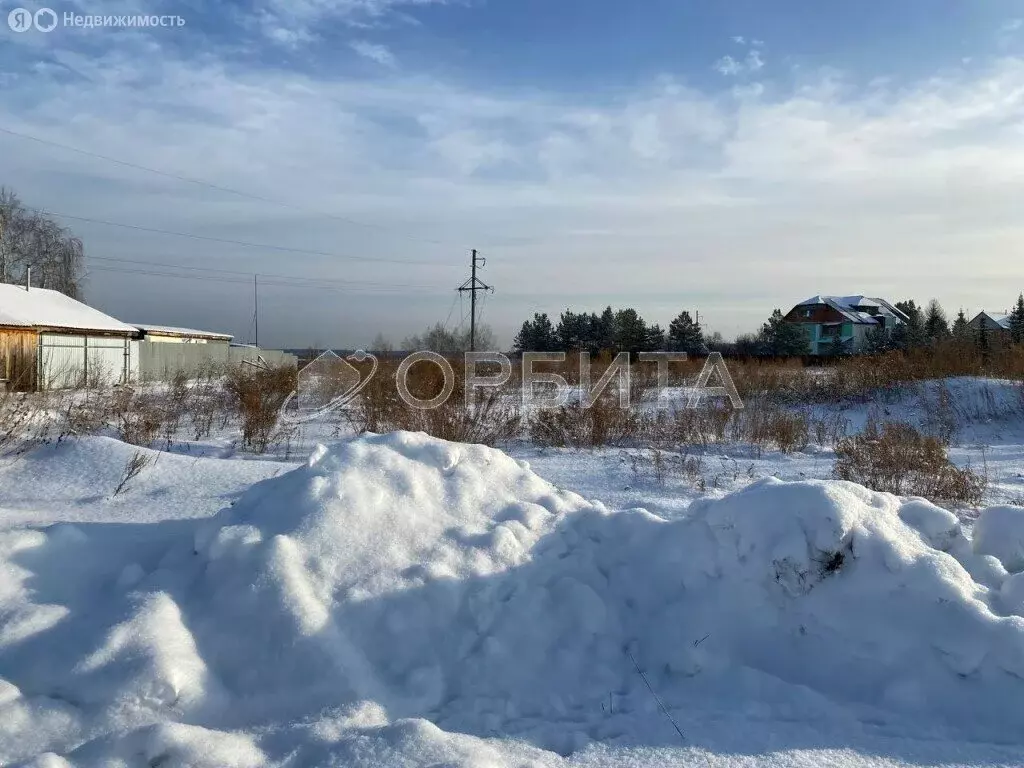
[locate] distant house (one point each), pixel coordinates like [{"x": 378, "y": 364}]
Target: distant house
[
  {"x": 51, "y": 341},
  {"x": 995, "y": 323},
  {"x": 832, "y": 322},
  {"x": 166, "y": 334}
]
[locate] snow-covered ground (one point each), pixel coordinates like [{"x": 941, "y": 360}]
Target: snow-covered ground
[{"x": 398, "y": 600}]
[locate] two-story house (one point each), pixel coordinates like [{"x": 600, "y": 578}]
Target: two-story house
[{"x": 843, "y": 322}]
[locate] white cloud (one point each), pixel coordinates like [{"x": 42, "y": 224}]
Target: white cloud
[
  {"x": 728, "y": 66},
  {"x": 905, "y": 189},
  {"x": 739, "y": 39},
  {"x": 284, "y": 19},
  {"x": 374, "y": 52}
]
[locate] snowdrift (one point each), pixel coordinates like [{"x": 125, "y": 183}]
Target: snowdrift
[{"x": 401, "y": 600}]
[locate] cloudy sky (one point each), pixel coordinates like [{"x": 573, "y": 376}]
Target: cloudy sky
[{"x": 726, "y": 156}]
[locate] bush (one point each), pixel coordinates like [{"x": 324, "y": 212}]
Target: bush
[
  {"x": 764, "y": 425},
  {"x": 259, "y": 394},
  {"x": 896, "y": 458},
  {"x": 574, "y": 426},
  {"x": 138, "y": 419}
]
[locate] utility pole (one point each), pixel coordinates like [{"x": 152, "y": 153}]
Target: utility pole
[
  {"x": 473, "y": 285},
  {"x": 256, "y": 306}
]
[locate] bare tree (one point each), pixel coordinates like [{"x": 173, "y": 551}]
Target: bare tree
[
  {"x": 438, "y": 338},
  {"x": 31, "y": 240}
]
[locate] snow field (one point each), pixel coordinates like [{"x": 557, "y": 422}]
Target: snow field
[{"x": 400, "y": 600}]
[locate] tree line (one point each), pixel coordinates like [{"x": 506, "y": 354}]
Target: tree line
[
  {"x": 33, "y": 241},
  {"x": 622, "y": 330},
  {"x": 625, "y": 330}
]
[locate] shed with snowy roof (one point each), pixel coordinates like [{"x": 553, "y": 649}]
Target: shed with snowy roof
[{"x": 52, "y": 341}]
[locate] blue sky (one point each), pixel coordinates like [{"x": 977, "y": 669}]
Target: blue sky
[{"x": 730, "y": 157}]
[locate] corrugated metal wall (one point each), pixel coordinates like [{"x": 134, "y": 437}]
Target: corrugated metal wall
[
  {"x": 61, "y": 361},
  {"x": 161, "y": 362},
  {"x": 69, "y": 361}
]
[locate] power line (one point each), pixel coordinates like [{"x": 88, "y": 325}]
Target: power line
[
  {"x": 218, "y": 187},
  {"x": 483, "y": 305},
  {"x": 451, "y": 309},
  {"x": 383, "y": 288},
  {"x": 249, "y": 273},
  {"x": 228, "y": 241}
]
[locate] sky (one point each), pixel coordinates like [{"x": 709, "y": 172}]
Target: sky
[{"x": 720, "y": 156}]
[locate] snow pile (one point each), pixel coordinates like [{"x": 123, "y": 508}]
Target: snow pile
[
  {"x": 999, "y": 532},
  {"x": 400, "y": 600}
]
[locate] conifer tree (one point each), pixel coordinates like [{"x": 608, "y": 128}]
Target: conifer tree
[
  {"x": 961, "y": 328},
  {"x": 782, "y": 339},
  {"x": 685, "y": 335},
  {"x": 1017, "y": 321},
  {"x": 936, "y": 327}
]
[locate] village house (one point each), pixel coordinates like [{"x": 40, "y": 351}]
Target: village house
[
  {"x": 842, "y": 323},
  {"x": 996, "y": 324},
  {"x": 51, "y": 341}
]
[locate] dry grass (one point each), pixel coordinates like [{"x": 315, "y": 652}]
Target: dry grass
[
  {"x": 259, "y": 394},
  {"x": 23, "y": 421},
  {"x": 661, "y": 466},
  {"x": 132, "y": 468},
  {"x": 894, "y": 457},
  {"x": 779, "y": 396},
  {"x": 137, "y": 418},
  {"x": 492, "y": 416},
  {"x": 605, "y": 422}
]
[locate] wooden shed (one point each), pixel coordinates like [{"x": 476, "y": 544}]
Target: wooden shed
[
  {"x": 51, "y": 341},
  {"x": 18, "y": 358}
]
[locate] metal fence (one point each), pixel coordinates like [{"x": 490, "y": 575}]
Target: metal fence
[{"x": 162, "y": 362}]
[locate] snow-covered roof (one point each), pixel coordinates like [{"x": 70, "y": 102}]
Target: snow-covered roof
[
  {"x": 849, "y": 307},
  {"x": 170, "y": 330},
  {"x": 999, "y": 318},
  {"x": 43, "y": 308}
]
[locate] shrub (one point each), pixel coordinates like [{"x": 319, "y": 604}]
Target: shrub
[
  {"x": 896, "y": 458},
  {"x": 259, "y": 393},
  {"x": 23, "y": 422},
  {"x": 763, "y": 424},
  {"x": 605, "y": 422},
  {"x": 491, "y": 419},
  {"x": 132, "y": 468}
]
